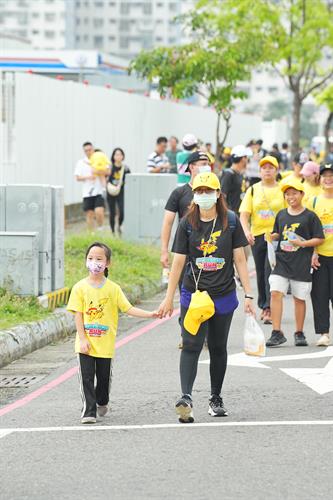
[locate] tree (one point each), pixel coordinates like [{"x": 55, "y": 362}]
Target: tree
[
  {"x": 326, "y": 98},
  {"x": 300, "y": 34},
  {"x": 211, "y": 65}
]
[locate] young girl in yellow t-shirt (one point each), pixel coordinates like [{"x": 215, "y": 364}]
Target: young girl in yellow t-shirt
[{"x": 95, "y": 301}]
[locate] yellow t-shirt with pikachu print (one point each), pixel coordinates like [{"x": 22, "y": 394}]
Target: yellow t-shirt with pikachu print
[
  {"x": 323, "y": 207},
  {"x": 263, "y": 203},
  {"x": 100, "y": 307}
]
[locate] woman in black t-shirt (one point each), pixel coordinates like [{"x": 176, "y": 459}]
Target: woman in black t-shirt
[
  {"x": 210, "y": 239},
  {"x": 117, "y": 175}
]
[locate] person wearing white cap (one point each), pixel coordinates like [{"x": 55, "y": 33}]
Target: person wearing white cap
[
  {"x": 233, "y": 182},
  {"x": 190, "y": 144}
]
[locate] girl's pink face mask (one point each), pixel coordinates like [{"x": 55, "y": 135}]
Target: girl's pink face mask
[{"x": 95, "y": 266}]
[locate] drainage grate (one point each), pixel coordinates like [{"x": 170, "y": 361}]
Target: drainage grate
[{"x": 20, "y": 380}]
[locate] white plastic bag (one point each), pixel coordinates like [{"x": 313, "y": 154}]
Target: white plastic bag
[
  {"x": 254, "y": 339},
  {"x": 271, "y": 254}
]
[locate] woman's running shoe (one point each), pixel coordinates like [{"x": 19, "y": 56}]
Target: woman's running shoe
[
  {"x": 184, "y": 409},
  {"x": 216, "y": 407}
]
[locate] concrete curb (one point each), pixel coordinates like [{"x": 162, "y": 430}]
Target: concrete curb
[{"x": 23, "y": 339}]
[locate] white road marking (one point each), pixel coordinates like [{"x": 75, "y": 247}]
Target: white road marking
[
  {"x": 318, "y": 379},
  {"x": 5, "y": 432},
  {"x": 242, "y": 359},
  {"x": 75, "y": 428}
]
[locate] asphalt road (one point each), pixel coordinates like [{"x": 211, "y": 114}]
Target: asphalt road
[{"x": 275, "y": 444}]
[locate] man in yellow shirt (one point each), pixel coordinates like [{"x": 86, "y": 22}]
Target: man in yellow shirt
[
  {"x": 258, "y": 209},
  {"x": 322, "y": 261}
]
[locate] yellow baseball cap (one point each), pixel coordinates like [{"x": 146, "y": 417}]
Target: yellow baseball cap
[
  {"x": 269, "y": 159},
  {"x": 291, "y": 183},
  {"x": 201, "y": 308},
  {"x": 206, "y": 179}
]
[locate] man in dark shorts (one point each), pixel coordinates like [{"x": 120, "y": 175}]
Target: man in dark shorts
[{"x": 92, "y": 188}]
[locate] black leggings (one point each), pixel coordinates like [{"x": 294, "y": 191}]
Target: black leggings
[
  {"x": 263, "y": 270},
  {"x": 217, "y": 330},
  {"x": 322, "y": 294},
  {"x": 112, "y": 202}
]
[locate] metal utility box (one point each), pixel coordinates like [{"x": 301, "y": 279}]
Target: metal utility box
[
  {"x": 2, "y": 207},
  {"x": 28, "y": 208},
  {"x": 145, "y": 199},
  {"x": 58, "y": 238},
  {"x": 19, "y": 262}
]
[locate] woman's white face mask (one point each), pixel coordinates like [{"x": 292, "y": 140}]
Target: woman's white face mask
[{"x": 205, "y": 200}]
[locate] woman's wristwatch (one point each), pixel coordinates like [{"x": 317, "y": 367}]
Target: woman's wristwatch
[{"x": 247, "y": 296}]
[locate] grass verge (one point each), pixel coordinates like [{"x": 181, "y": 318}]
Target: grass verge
[{"x": 132, "y": 265}]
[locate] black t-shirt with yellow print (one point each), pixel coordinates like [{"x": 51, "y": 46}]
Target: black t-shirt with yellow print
[
  {"x": 295, "y": 262},
  {"x": 217, "y": 276}
]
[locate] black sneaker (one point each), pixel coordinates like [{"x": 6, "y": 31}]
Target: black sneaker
[
  {"x": 300, "y": 340},
  {"x": 184, "y": 410},
  {"x": 277, "y": 338},
  {"x": 216, "y": 407}
]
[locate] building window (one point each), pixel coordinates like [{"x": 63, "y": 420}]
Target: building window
[
  {"x": 35, "y": 32},
  {"x": 159, "y": 39},
  {"x": 159, "y": 5},
  {"x": 112, "y": 38},
  {"x": 35, "y": 14},
  {"x": 99, "y": 4},
  {"x": 49, "y": 34},
  {"x": 112, "y": 4},
  {"x": 159, "y": 21},
  {"x": 78, "y": 21},
  {"x": 78, "y": 38},
  {"x": 112, "y": 21},
  {"x": 124, "y": 8},
  {"x": 98, "y": 42},
  {"x": 123, "y": 42},
  {"x": 273, "y": 89},
  {"x": 258, "y": 89},
  {"x": 98, "y": 23},
  {"x": 85, "y": 38},
  {"x": 147, "y": 8},
  {"x": 86, "y": 20},
  {"x": 172, "y": 40},
  {"x": 124, "y": 25},
  {"x": 78, "y": 4},
  {"x": 173, "y": 7},
  {"x": 50, "y": 16}
]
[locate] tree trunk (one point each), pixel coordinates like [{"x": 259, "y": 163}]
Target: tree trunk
[
  {"x": 296, "y": 123},
  {"x": 218, "y": 145},
  {"x": 327, "y": 131}
]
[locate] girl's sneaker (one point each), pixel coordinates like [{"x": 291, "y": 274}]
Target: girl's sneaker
[
  {"x": 88, "y": 420},
  {"x": 184, "y": 409},
  {"x": 216, "y": 407}
]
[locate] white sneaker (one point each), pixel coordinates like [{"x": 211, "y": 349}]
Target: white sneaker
[
  {"x": 324, "y": 340},
  {"x": 102, "y": 410},
  {"x": 88, "y": 420}
]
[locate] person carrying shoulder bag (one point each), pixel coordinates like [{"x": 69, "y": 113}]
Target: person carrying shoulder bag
[
  {"x": 210, "y": 239},
  {"x": 115, "y": 189}
]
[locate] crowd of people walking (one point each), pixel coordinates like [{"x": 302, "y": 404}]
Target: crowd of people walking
[{"x": 249, "y": 200}]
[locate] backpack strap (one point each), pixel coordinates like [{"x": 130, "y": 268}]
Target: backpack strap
[
  {"x": 314, "y": 202},
  {"x": 232, "y": 220}
]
